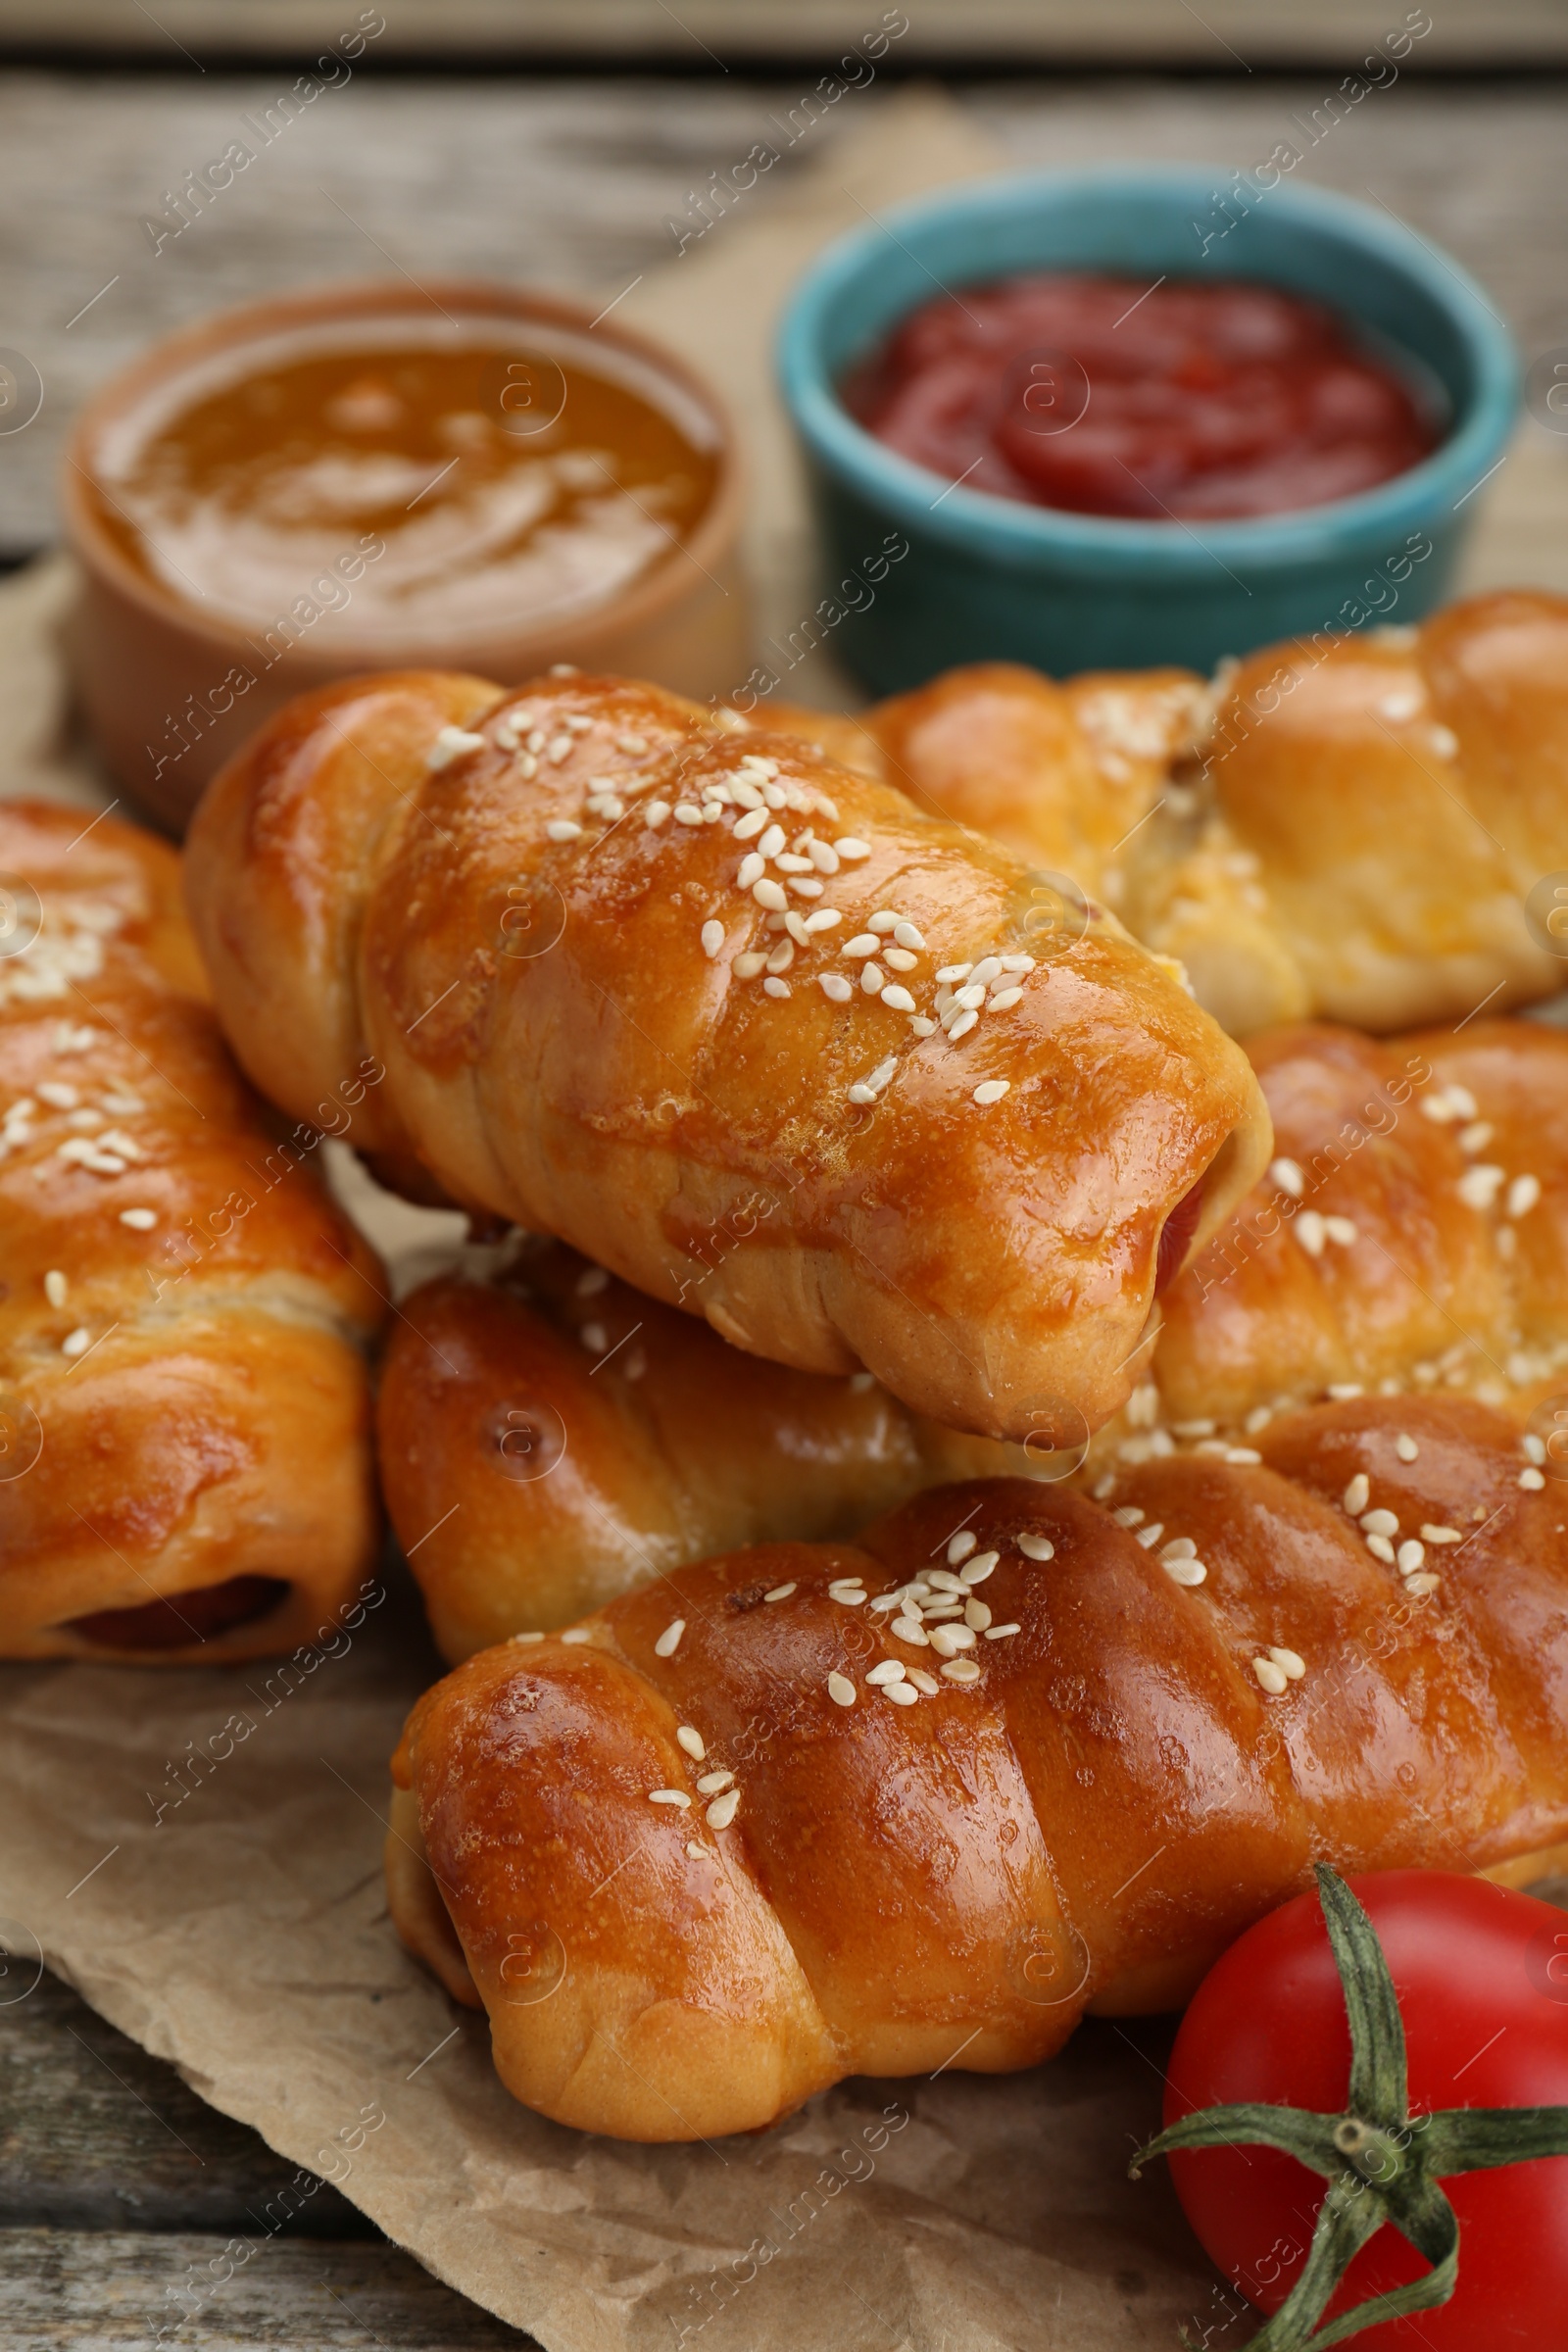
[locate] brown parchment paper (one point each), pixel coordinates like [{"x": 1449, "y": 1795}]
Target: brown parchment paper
[{"x": 199, "y": 1853}]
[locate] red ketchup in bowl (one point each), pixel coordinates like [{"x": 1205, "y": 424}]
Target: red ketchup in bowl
[{"x": 1194, "y": 401}]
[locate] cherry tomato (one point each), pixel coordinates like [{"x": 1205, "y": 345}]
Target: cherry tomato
[{"x": 1482, "y": 1977}]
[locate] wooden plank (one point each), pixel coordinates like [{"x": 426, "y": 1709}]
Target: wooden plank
[
  {"x": 95, "y": 2134},
  {"x": 1226, "y": 36},
  {"x": 64, "y": 2292}
]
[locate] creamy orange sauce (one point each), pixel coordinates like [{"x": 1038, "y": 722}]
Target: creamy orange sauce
[{"x": 505, "y": 474}]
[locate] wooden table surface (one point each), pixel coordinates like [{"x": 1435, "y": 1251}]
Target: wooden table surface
[{"x": 118, "y": 2187}]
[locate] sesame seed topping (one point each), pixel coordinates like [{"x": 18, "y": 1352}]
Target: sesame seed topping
[
  {"x": 752, "y": 866},
  {"x": 654, "y": 815},
  {"x": 903, "y": 1695},
  {"x": 822, "y": 854},
  {"x": 1288, "y": 1176},
  {"x": 864, "y": 943},
  {"x": 1478, "y": 1187},
  {"x": 690, "y": 1741},
  {"x": 1358, "y": 1495},
  {"x": 721, "y": 1812},
  {"x": 1523, "y": 1192},
  {"x": 883, "y": 921},
  {"x": 974, "y": 1572},
  {"x": 670, "y": 1639},
  {"x": 1533, "y": 1449},
  {"x": 851, "y": 848},
  {"x": 1183, "y": 1568},
  {"x": 1311, "y": 1231},
  {"x": 960, "y": 1547},
  {"x": 687, "y": 813},
  {"x": 964, "y": 1670},
  {"x": 450, "y": 744},
  {"x": 924, "y": 1682},
  {"x": 1380, "y": 1523},
  {"x": 942, "y": 1579},
  {"x": 900, "y": 959},
  {"x": 771, "y": 843},
  {"x": 77, "y": 1341},
  {"x": 835, "y": 987},
  {"x": 698, "y": 1852},
  {"x": 1290, "y": 1665},
  {"x": 841, "y": 1689},
  {"x": 779, "y": 1593},
  {"x": 1423, "y": 1583},
  {"x": 670, "y": 1796},
  {"x": 1532, "y": 1479},
  {"x": 1273, "y": 1678},
  {"x": 955, "y": 973},
  {"x": 772, "y": 986},
  {"x": 848, "y": 1595},
  {"x": 577, "y": 1633},
  {"x": 712, "y": 1782},
  {"x": 963, "y": 1025},
  {"x": 991, "y": 1091},
  {"x": 872, "y": 979},
  {"x": 887, "y": 1670},
  {"x": 770, "y": 894},
  {"x": 947, "y": 1639},
  {"x": 921, "y": 1025},
  {"x": 1381, "y": 1548},
  {"x": 1242, "y": 1455},
  {"x": 595, "y": 1336},
  {"x": 907, "y": 935},
  {"x": 898, "y": 999},
  {"x": 712, "y": 936},
  {"x": 825, "y": 918},
  {"x": 55, "y": 1287},
  {"x": 976, "y": 1615},
  {"x": 1003, "y": 999},
  {"x": 1441, "y": 1535},
  {"x": 140, "y": 1220},
  {"x": 910, "y": 1630},
  {"x": 1410, "y": 1556},
  {"x": 58, "y": 1095},
  {"x": 519, "y": 1641},
  {"x": 1340, "y": 1230},
  {"x": 746, "y": 827}
]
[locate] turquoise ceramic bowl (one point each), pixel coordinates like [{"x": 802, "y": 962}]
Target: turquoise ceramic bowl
[{"x": 988, "y": 579}]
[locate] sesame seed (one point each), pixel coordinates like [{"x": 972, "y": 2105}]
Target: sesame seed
[
  {"x": 888, "y": 1670},
  {"x": 942, "y": 1579},
  {"x": 1037, "y": 1547},
  {"x": 849, "y": 1596},
  {"x": 947, "y": 1639},
  {"x": 77, "y": 1341},
  {"x": 450, "y": 744},
  {"x": 1406, "y": 1447},
  {"x": 1423, "y": 1583},
  {"x": 721, "y": 1812},
  {"x": 962, "y": 1026},
  {"x": 974, "y": 1572},
  {"x": 746, "y": 827},
  {"x": 864, "y": 943},
  {"x": 1410, "y": 1556},
  {"x": 1289, "y": 1664},
  {"x": 898, "y": 999},
  {"x": 577, "y": 1633},
  {"x": 1523, "y": 1192},
  {"x": 971, "y": 998},
  {"x": 922, "y": 1681},
  {"x": 772, "y": 986},
  {"x": 55, "y": 1287},
  {"x": 1242, "y": 1455},
  {"x": 752, "y": 866},
  {"x": 882, "y": 922},
  {"x": 519, "y": 1641},
  {"x": 1184, "y": 1569},
  {"x": 992, "y": 1091},
  {"x": 773, "y": 842},
  {"x": 1311, "y": 1231},
  {"x": 903, "y": 1695},
  {"x": 835, "y": 987},
  {"x": 670, "y": 1639},
  {"x": 698, "y": 1853},
  {"x": 841, "y": 1689},
  {"x": 654, "y": 815},
  {"x": 910, "y": 1630},
  {"x": 1273, "y": 1678},
  {"x": 670, "y": 1796},
  {"x": 58, "y": 1095},
  {"x": 712, "y": 1782},
  {"x": 907, "y": 935},
  {"x": 960, "y": 1547},
  {"x": 1358, "y": 1495},
  {"x": 779, "y": 1593},
  {"x": 964, "y": 1670},
  {"x": 1340, "y": 1230},
  {"x": 1534, "y": 1449},
  {"x": 1532, "y": 1479},
  {"x": 1441, "y": 1535},
  {"x": 712, "y": 939},
  {"x": 747, "y": 966},
  {"x": 558, "y": 749},
  {"x": 850, "y": 847},
  {"x": 921, "y": 1025},
  {"x": 687, "y": 813},
  {"x": 690, "y": 1741},
  {"x": 1479, "y": 1186},
  {"x": 1003, "y": 999},
  {"x": 955, "y": 973},
  {"x": 770, "y": 894},
  {"x": 1287, "y": 1174},
  {"x": 1379, "y": 1523},
  {"x": 1381, "y": 1548},
  {"x": 900, "y": 959},
  {"x": 872, "y": 979},
  {"x": 140, "y": 1220},
  {"x": 1344, "y": 1390},
  {"x": 595, "y": 1336},
  {"x": 823, "y": 856},
  {"x": 1149, "y": 1537},
  {"x": 976, "y": 1615},
  {"x": 825, "y": 918}
]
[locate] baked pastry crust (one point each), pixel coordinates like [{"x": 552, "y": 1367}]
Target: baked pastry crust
[
  {"x": 556, "y": 957},
  {"x": 184, "y": 1404},
  {"x": 1216, "y": 1679}
]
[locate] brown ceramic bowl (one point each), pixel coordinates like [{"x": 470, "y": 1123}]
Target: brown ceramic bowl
[{"x": 158, "y": 675}]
